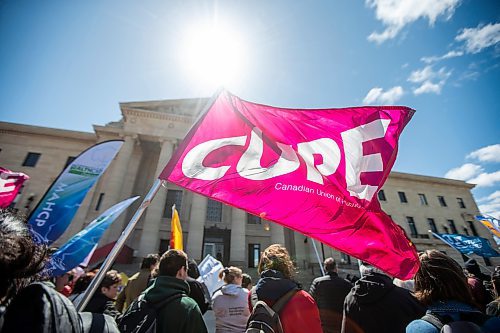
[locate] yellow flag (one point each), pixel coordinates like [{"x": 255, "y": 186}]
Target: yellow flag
[{"x": 176, "y": 231}]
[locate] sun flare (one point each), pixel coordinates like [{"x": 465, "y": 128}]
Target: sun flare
[{"x": 213, "y": 55}]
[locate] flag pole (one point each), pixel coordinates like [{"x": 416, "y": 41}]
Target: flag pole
[
  {"x": 96, "y": 281},
  {"x": 317, "y": 256},
  {"x": 444, "y": 241}
]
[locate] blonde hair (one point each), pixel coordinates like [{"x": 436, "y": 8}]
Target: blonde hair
[
  {"x": 229, "y": 274},
  {"x": 276, "y": 257}
]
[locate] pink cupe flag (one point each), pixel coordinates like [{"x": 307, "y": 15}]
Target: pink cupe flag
[
  {"x": 314, "y": 171},
  {"x": 10, "y": 183}
]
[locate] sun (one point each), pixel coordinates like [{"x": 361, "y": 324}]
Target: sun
[{"x": 213, "y": 56}]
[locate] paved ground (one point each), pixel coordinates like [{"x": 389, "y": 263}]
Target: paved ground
[{"x": 210, "y": 321}]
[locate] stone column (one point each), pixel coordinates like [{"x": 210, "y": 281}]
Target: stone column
[
  {"x": 277, "y": 234},
  {"x": 301, "y": 251},
  {"x": 238, "y": 237},
  {"x": 154, "y": 213},
  {"x": 196, "y": 227},
  {"x": 113, "y": 186}
]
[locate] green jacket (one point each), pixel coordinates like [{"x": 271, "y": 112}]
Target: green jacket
[{"x": 181, "y": 315}]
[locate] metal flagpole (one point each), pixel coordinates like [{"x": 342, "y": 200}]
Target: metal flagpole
[
  {"x": 444, "y": 241},
  {"x": 317, "y": 256},
  {"x": 96, "y": 281}
]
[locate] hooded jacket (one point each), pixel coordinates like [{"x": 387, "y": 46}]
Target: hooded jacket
[
  {"x": 230, "y": 305},
  {"x": 300, "y": 314},
  {"x": 181, "y": 315},
  {"x": 376, "y": 305}
]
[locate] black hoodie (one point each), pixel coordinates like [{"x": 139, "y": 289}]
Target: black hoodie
[{"x": 376, "y": 305}]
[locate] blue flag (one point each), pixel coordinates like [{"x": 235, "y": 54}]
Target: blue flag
[
  {"x": 469, "y": 244},
  {"x": 79, "y": 246},
  {"x": 56, "y": 209}
]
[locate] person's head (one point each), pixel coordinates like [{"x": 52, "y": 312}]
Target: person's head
[
  {"x": 174, "y": 263},
  {"x": 472, "y": 267},
  {"x": 150, "y": 262},
  {"x": 110, "y": 283},
  {"x": 330, "y": 265},
  {"x": 276, "y": 257},
  {"x": 82, "y": 283},
  {"x": 231, "y": 275},
  {"x": 246, "y": 281},
  {"x": 366, "y": 269},
  {"x": 21, "y": 258},
  {"x": 440, "y": 278},
  {"x": 193, "y": 270},
  {"x": 495, "y": 280}
]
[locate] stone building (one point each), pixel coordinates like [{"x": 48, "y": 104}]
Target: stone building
[{"x": 151, "y": 131}]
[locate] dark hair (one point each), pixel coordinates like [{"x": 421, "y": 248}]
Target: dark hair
[
  {"x": 21, "y": 258},
  {"x": 82, "y": 283},
  {"x": 112, "y": 277},
  {"x": 193, "y": 270},
  {"x": 171, "y": 261},
  {"x": 495, "y": 280},
  {"x": 440, "y": 278},
  {"x": 330, "y": 265},
  {"x": 246, "y": 281},
  {"x": 151, "y": 259},
  {"x": 229, "y": 274},
  {"x": 276, "y": 257}
]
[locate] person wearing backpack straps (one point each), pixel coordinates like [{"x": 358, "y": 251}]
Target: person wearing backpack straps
[
  {"x": 298, "y": 312},
  {"x": 441, "y": 285},
  {"x": 180, "y": 314}
]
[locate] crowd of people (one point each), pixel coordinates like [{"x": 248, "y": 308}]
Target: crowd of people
[{"x": 167, "y": 294}]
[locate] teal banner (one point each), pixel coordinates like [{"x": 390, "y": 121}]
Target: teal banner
[{"x": 54, "y": 212}]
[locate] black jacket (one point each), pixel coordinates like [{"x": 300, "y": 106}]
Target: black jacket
[
  {"x": 376, "y": 305},
  {"x": 196, "y": 293},
  {"x": 329, "y": 292},
  {"x": 100, "y": 303}
]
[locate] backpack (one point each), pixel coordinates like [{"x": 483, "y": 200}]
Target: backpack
[
  {"x": 140, "y": 316},
  {"x": 470, "y": 322},
  {"x": 265, "y": 319}
]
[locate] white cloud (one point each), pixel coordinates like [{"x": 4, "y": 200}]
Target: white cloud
[
  {"x": 476, "y": 39},
  {"x": 494, "y": 197},
  {"x": 451, "y": 54},
  {"x": 464, "y": 172},
  {"x": 487, "y": 154},
  {"x": 377, "y": 95},
  {"x": 428, "y": 87},
  {"x": 486, "y": 179},
  {"x": 491, "y": 204},
  {"x": 430, "y": 80},
  {"x": 395, "y": 14}
]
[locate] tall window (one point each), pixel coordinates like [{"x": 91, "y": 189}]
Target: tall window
[
  {"x": 402, "y": 197},
  {"x": 173, "y": 197},
  {"x": 466, "y": 231},
  {"x": 442, "y": 202},
  {"x": 451, "y": 224},
  {"x": 381, "y": 195},
  {"x": 423, "y": 199},
  {"x": 432, "y": 225},
  {"x": 446, "y": 230},
  {"x": 461, "y": 202},
  {"x": 253, "y": 255},
  {"x": 413, "y": 227},
  {"x": 164, "y": 246},
  {"x": 214, "y": 211},
  {"x": 253, "y": 219},
  {"x": 99, "y": 201},
  {"x": 31, "y": 159},
  {"x": 345, "y": 258},
  {"x": 472, "y": 228}
]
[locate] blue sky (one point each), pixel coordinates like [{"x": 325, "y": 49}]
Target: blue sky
[{"x": 67, "y": 64}]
